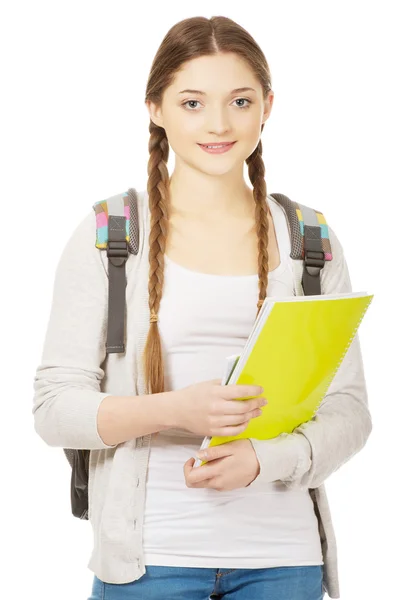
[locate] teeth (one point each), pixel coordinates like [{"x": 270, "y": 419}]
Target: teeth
[{"x": 215, "y": 146}]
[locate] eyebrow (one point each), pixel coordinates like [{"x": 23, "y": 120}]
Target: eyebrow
[{"x": 237, "y": 90}]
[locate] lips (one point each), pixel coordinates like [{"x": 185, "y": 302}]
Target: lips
[
  {"x": 218, "y": 144},
  {"x": 222, "y": 148}
]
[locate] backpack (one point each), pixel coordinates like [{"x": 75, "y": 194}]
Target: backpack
[{"x": 117, "y": 233}]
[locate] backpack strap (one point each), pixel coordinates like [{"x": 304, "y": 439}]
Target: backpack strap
[
  {"x": 117, "y": 232},
  {"x": 310, "y": 241}
]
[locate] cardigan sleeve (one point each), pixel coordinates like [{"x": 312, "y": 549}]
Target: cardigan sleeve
[
  {"x": 342, "y": 424},
  {"x": 67, "y": 381}
]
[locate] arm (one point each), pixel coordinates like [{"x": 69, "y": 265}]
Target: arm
[
  {"x": 69, "y": 409},
  {"x": 342, "y": 424},
  {"x": 122, "y": 418}
]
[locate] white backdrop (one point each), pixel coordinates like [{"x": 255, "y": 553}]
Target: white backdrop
[{"x": 74, "y": 130}]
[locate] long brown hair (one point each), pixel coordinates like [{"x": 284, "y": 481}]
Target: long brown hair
[{"x": 188, "y": 39}]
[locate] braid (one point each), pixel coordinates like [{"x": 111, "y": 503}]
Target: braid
[
  {"x": 158, "y": 191},
  {"x": 257, "y": 177}
]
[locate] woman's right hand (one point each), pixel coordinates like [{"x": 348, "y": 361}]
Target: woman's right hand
[{"x": 211, "y": 409}]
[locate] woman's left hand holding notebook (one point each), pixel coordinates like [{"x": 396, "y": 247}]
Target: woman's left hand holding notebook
[{"x": 229, "y": 466}]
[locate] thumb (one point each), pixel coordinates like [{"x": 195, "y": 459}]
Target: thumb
[{"x": 213, "y": 452}]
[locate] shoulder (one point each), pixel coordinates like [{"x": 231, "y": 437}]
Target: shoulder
[
  {"x": 132, "y": 197},
  {"x": 334, "y": 276},
  {"x": 80, "y": 252},
  {"x": 287, "y": 208},
  {"x": 79, "y": 256},
  {"x": 83, "y": 235}
]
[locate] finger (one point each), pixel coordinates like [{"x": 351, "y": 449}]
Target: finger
[
  {"x": 213, "y": 453},
  {"x": 188, "y": 466},
  {"x": 187, "y": 470},
  {"x": 239, "y": 419},
  {"x": 237, "y": 391},
  {"x": 207, "y": 483},
  {"x": 239, "y": 407},
  {"x": 201, "y": 474}
]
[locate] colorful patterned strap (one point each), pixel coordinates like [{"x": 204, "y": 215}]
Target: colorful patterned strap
[
  {"x": 125, "y": 205},
  {"x": 300, "y": 216}
]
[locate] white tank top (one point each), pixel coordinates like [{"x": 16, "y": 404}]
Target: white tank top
[{"x": 202, "y": 319}]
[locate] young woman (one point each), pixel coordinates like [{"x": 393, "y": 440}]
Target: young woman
[{"x": 254, "y": 521}]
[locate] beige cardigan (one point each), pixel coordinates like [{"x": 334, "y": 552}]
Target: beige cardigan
[{"x": 75, "y": 375}]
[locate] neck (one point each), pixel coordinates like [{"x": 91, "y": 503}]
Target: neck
[{"x": 205, "y": 197}]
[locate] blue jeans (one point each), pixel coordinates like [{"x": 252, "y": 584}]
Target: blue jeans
[{"x": 192, "y": 583}]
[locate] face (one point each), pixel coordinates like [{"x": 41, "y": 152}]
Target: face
[{"x": 214, "y": 113}]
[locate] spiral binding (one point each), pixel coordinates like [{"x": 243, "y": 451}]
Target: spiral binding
[{"x": 355, "y": 330}]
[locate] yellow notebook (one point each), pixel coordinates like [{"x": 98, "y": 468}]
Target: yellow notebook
[{"x": 293, "y": 351}]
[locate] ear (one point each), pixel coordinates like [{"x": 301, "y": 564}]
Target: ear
[
  {"x": 155, "y": 113},
  {"x": 268, "y": 102}
]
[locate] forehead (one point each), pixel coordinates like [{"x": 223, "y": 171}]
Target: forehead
[{"x": 219, "y": 73}]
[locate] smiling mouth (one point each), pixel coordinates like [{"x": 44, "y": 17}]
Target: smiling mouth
[{"x": 220, "y": 145}]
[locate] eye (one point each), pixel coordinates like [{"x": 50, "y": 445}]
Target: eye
[
  {"x": 237, "y": 100},
  {"x": 187, "y": 102},
  {"x": 246, "y": 100}
]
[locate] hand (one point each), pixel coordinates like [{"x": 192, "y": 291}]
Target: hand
[
  {"x": 211, "y": 409},
  {"x": 229, "y": 466}
]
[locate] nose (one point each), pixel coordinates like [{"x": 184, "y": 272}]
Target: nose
[{"x": 218, "y": 122}]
